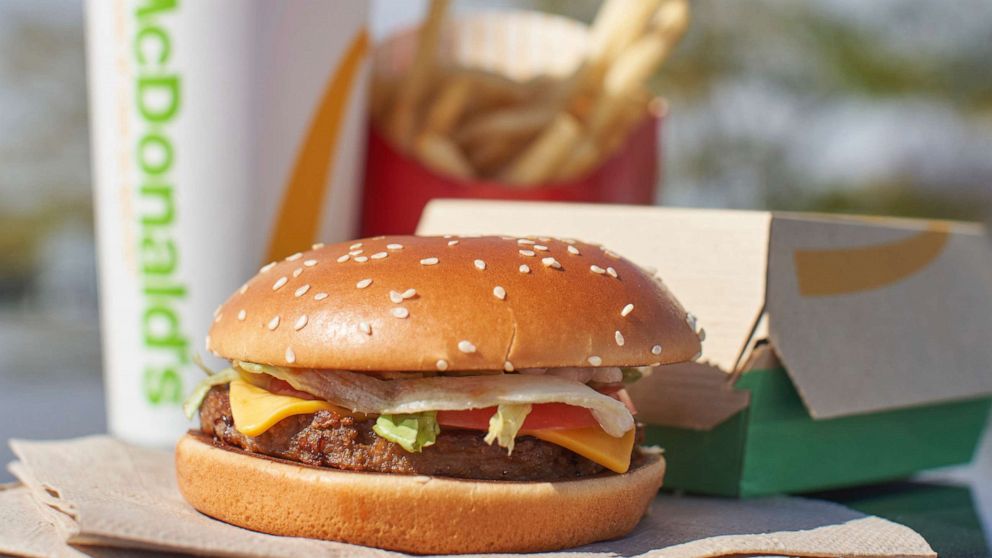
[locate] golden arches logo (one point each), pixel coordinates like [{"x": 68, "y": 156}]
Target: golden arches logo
[
  {"x": 299, "y": 213},
  {"x": 851, "y": 270}
]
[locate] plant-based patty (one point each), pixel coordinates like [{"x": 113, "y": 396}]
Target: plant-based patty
[{"x": 324, "y": 439}]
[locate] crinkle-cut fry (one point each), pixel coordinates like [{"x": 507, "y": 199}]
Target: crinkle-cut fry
[
  {"x": 513, "y": 122},
  {"x": 540, "y": 160},
  {"x": 442, "y": 155},
  {"x": 403, "y": 121},
  {"x": 449, "y": 105}
]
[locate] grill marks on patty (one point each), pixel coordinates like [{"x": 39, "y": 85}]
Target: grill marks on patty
[{"x": 325, "y": 439}]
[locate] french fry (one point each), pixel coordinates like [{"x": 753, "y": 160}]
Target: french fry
[
  {"x": 510, "y": 122},
  {"x": 541, "y": 159},
  {"x": 582, "y": 159},
  {"x": 442, "y": 155},
  {"x": 636, "y": 64},
  {"x": 383, "y": 89},
  {"x": 491, "y": 156},
  {"x": 623, "y": 22},
  {"x": 403, "y": 121},
  {"x": 449, "y": 105}
]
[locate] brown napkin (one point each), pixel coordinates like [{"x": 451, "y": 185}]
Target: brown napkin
[{"x": 100, "y": 491}]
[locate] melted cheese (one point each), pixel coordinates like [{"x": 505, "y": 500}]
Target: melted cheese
[
  {"x": 255, "y": 410},
  {"x": 594, "y": 444}
]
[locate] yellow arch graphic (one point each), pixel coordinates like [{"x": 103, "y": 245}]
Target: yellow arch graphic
[
  {"x": 299, "y": 213},
  {"x": 851, "y": 270}
]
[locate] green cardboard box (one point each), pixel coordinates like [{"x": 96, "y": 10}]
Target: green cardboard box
[{"x": 839, "y": 350}]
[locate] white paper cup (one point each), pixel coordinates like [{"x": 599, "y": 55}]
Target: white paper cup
[{"x": 225, "y": 133}]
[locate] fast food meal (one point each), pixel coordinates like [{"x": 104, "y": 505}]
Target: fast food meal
[
  {"x": 434, "y": 395},
  {"x": 473, "y": 124}
]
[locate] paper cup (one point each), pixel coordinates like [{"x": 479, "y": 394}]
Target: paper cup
[{"x": 521, "y": 46}]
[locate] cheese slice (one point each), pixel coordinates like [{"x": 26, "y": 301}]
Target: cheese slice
[
  {"x": 594, "y": 444},
  {"x": 255, "y": 410}
]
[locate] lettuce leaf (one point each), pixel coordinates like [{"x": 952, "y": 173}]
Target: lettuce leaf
[
  {"x": 195, "y": 399},
  {"x": 505, "y": 423},
  {"x": 631, "y": 375},
  {"x": 413, "y": 431}
]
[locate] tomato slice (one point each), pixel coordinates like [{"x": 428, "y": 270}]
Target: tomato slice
[{"x": 543, "y": 416}]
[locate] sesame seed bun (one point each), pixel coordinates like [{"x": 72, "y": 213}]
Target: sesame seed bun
[
  {"x": 411, "y": 513},
  {"x": 407, "y": 303}
]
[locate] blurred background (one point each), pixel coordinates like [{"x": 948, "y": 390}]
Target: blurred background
[{"x": 880, "y": 107}]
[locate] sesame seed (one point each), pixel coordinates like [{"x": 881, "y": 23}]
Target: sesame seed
[
  {"x": 619, "y": 337},
  {"x": 344, "y": 258},
  {"x": 656, "y": 350},
  {"x": 355, "y": 245},
  {"x": 273, "y": 323},
  {"x": 363, "y": 283},
  {"x": 394, "y": 246},
  {"x": 568, "y": 240},
  {"x": 409, "y": 293},
  {"x": 508, "y": 366},
  {"x": 528, "y": 253},
  {"x": 206, "y": 342},
  {"x": 395, "y": 297},
  {"x": 627, "y": 310},
  {"x": 267, "y": 267},
  {"x": 452, "y": 243},
  {"x": 317, "y": 246},
  {"x": 290, "y": 355},
  {"x": 595, "y": 360},
  {"x": 218, "y": 317},
  {"x": 544, "y": 238},
  {"x": 242, "y": 315},
  {"x": 379, "y": 255},
  {"x": 551, "y": 262},
  {"x": 466, "y": 347},
  {"x": 524, "y": 241},
  {"x": 297, "y": 272},
  {"x": 541, "y": 247},
  {"x": 612, "y": 273},
  {"x": 499, "y": 292},
  {"x": 441, "y": 364},
  {"x": 301, "y": 291},
  {"x": 217, "y": 310},
  {"x": 309, "y": 263},
  {"x": 449, "y": 236},
  {"x": 690, "y": 318},
  {"x": 696, "y": 356},
  {"x": 243, "y": 288},
  {"x": 279, "y": 283},
  {"x": 400, "y": 312},
  {"x": 702, "y": 335},
  {"x": 655, "y": 364},
  {"x": 380, "y": 237},
  {"x": 365, "y": 328},
  {"x": 429, "y": 261},
  {"x": 524, "y": 268},
  {"x": 320, "y": 296},
  {"x": 612, "y": 254},
  {"x": 301, "y": 322},
  {"x": 294, "y": 257},
  {"x": 356, "y": 252},
  {"x": 480, "y": 265},
  {"x": 596, "y": 269},
  {"x": 361, "y": 259},
  {"x": 573, "y": 250}
]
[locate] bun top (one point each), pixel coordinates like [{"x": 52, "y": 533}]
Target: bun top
[{"x": 408, "y": 303}]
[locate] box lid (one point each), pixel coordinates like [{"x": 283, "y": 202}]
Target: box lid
[{"x": 867, "y": 314}]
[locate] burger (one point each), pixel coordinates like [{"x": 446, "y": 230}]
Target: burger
[{"x": 434, "y": 395}]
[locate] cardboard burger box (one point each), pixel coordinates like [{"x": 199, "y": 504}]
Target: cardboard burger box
[{"x": 839, "y": 350}]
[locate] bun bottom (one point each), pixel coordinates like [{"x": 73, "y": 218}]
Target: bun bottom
[{"x": 420, "y": 514}]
